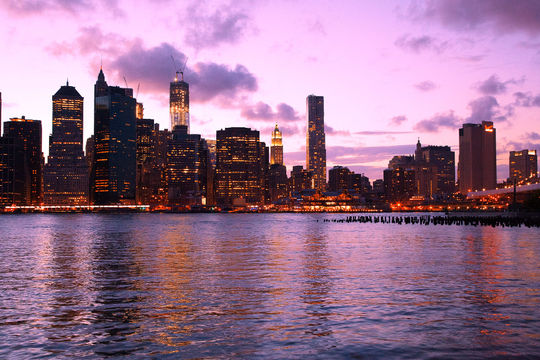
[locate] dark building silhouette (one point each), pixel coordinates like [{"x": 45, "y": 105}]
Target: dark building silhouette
[
  {"x": 113, "y": 177},
  {"x": 477, "y": 167},
  {"x": 241, "y": 166},
  {"x": 276, "y": 149},
  {"x": 187, "y": 167},
  {"x": 145, "y": 147},
  {"x": 300, "y": 179},
  {"x": 315, "y": 141},
  {"x": 523, "y": 165},
  {"x": 66, "y": 172},
  {"x": 278, "y": 183},
  {"x": 14, "y": 173},
  {"x": 339, "y": 178},
  {"x": 360, "y": 183},
  {"x": 179, "y": 102},
  {"x": 399, "y": 184},
  {"x": 21, "y": 163}
]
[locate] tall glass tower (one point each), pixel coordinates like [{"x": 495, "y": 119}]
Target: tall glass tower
[
  {"x": 179, "y": 102},
  {"x": 315, "y": 141}
]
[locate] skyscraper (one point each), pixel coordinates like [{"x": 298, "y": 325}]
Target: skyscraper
[
  {"x": 477, "y": 167},
  {"x": 523, "y": 165},
  {"x": 66, "y": 172},
  {"x": 239, "y": 167},
  {"x": 276, "y": 149},
  {"x": 187, "y": 162},
  {"x": 339, "y": 178},
  {"x": 443, "y": 159},
  {"x": 113, "y": 177},
  {"x": 24, "y": 135},
  {"x": 179, "y": 102},
  {"x": 315, "y": 141}
]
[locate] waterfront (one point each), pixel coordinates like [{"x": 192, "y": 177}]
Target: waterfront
[{"x": 264, "y": 286}]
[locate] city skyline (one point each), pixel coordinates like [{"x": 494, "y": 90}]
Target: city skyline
[{"x": 427, "y": 71}]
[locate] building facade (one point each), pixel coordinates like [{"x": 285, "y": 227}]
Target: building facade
[
  {"x": 477, "y": 167},
  {"x": 240, "y": 167},
  {"x": 523, "y": 165},
  {"x": 113, "y": 177},
  {"x": 24, "y": 135},
  {"x": 443, "y": 159},
  {"x": 66, "y": 172},
  {"x": 315, "y": 141}
]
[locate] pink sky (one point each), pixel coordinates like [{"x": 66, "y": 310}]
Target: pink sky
[{"x": 390, "y": 71}]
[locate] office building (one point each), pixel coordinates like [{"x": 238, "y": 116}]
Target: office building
[
  {"x": 22, "y": 161},
  {"x": 65, "y": 175},
  {"x": 278, "y": 183},
  {"x": 300, "y": 179},
  {"x": 523, "y": 166},
  {"x": 339, "y": 178},
  {"x": 443, "y": 159},
  {"x": 399, "y": 184},
  {"x": 477, "y": 167},
  {"x": 179, "y": 102},
  {"x": 113, "y": 177},
  {"x": 315, "y": 141},
  {"x": 240, "y": 167},
  {"x": 187, "y": 167}
]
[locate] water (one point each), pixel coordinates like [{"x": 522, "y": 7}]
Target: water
[{"x": 224, "y": 286}]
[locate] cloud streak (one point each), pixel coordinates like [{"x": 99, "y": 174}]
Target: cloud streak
[
  {"x": 418, "y": 44},
  {"x": 264, "y": 112}
]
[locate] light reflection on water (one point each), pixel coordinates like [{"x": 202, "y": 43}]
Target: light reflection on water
[{"x": 264, "y": 286}]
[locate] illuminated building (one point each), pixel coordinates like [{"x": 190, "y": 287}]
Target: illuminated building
[
  {"x": 301, "y": 179},
  {"x": 278, "y": 182},
  {"x": 140, "y": 111},
  {"x": 89, "y": 153},
  {"x": 113, "y": 177},
  {"x": 399, "y": 184},
  {"x": 145, "y": 142},
  {"x": 401, "y": 161},
  {"x": 523, "y": 165},
  {"x": 477, "y": 167},
  {"x": 65, "y": 175},
  {"x": 276, "y": 149},
  {"x": 339, "y": 178},
  {"x": 443, "y": 159},
  {"x": 187, "y": 167},
  {"x": 21, "y": 162},
  {"x": 315, "y": 141},
  {"x": 240, "y": 167},
  {"x": 179, "y": 102}
]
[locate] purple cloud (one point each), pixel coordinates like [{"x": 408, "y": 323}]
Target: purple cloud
[
  {"x": 92, "y": 41},
  {"x": 526, "y": 99},
  {"x": 263, "y": 112},
  {"x": 206, "y": 29},
  {"x": 74, "y": 7},
  {"x": 486, "y": 108},
  {"x": 426, "y": 85},
  {"x": 381, "y": 132},
  {"x": 398, "y": 120},
  {"x": 331, "y": 131},
  {"x": 493, "y": 86},
  {"x": 501, "y": 15},
  {"x": 153, "y": 68},
  {"x": 438, "y": 121},
  {"x": 417, "y": 44}
]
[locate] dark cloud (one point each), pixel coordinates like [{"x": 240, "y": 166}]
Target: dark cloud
[
  {"x": 206, "y": 28},
  {"x": 153, "y": 68},
  {"x": 398, "y": 120},
  {"x": 425, "y": 85},
  {"x": 501, "y": 15},
  {"x": 74, "y": 7},
  {"x": 486, "y": 108},
  {"x": 494, "y": 86},
  {"x": 263, "y": 112},
  {"x": 287, "y": 130},
  {"x": 331, "y": 131},
  {"x": 418, "y": 44},
  {"x": 438, "y": 121},
  {"x": 526, "y": 99}
]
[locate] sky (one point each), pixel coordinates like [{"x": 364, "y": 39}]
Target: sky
[{"x": 391, "y": 72}]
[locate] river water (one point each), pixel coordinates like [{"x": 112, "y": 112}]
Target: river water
[{"x": 267, "y": 286}]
